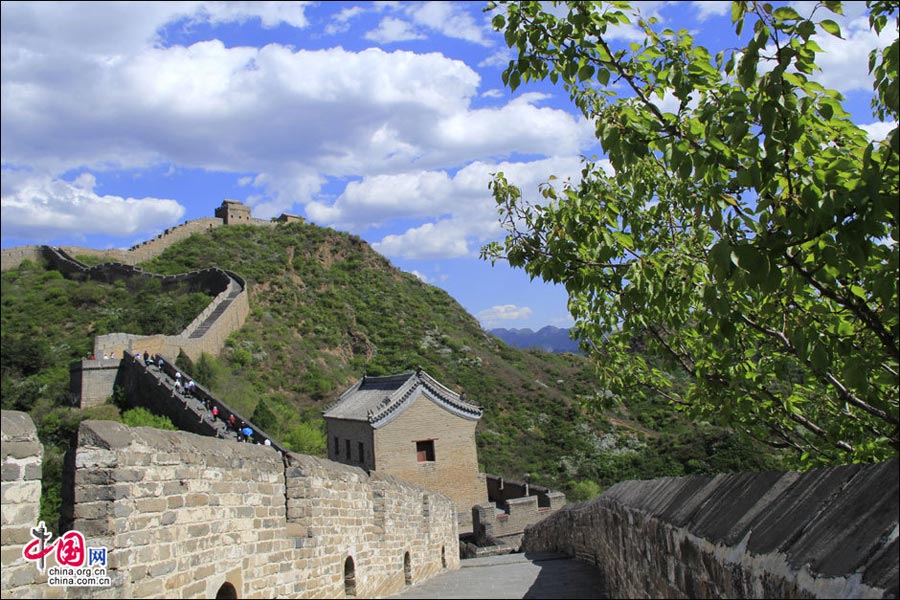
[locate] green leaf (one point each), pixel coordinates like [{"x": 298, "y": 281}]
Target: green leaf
[
  {"x": 831, "y": 27},
  {"x": 786, "y": 13}
]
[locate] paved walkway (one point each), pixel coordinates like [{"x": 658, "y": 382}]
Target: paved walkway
[{"x": 531, "y": 575}]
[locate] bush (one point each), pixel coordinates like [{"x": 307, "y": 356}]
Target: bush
[{"x": 141, "y": 417}]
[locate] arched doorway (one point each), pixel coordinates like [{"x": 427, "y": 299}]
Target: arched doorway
[
  {"x": 226, "y": 592},
  {"x": 349, "y": 578},
  {"x": 407, "y": 569}
]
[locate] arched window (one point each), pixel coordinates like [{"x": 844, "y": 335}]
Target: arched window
[
  {"x": 226, "y": 592},
  {"x": 444, "y": 557},
  {"x": 407, "y": 569},
  {"x": 349, "y": 578}
]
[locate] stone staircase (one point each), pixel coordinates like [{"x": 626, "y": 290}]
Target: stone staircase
[
  {"x": 188, "y": 412},
  {"x": 210, "y": 320}
]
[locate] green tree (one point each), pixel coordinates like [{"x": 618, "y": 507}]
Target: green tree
[
  {"x": 306, "y": 438},
  {"x": 749, "y": 234},
  {"x": 141, "y": 417}
]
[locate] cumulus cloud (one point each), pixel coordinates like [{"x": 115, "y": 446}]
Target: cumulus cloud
[
  {"x": 711, "y": 8},
  {"x": 450, "y": 20},
  {"x": 461, "y": 214},
  {"x": 40, "y": 207},
  {"x": 497, "y": 315},
  {"x": 341, "y": 21},
  {"x": 391, "y": 29},
  {"x": 444, "y": 239},
  {"x": 844, "y": 61},
  {"x": 270, "y": 14},
  {"x": 878, "y": 131},
  {"x": 99, "y": 83}
]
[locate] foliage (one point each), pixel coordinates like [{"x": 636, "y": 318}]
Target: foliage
[
  {"x": 583, "y": 490},
  {"x": 749, "y": 234},
  {"x": 306, "y": 439},
  {"x": 141, "y": 417}
]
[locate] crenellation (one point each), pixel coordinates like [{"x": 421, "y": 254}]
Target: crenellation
[
  {"x": 824, "y": 533},
  {"x": 285, "y": 532}
]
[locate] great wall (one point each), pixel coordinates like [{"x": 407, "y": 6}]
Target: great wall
[{"x": 188, "y": 515}]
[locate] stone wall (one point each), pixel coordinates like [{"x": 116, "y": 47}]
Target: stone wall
[
  {"x": 91, "y": 382},
  {"x": 182, "y": 515},
  {"x": 490, "y": 522},
  {"x": 152, "y": 248},
  {"x": 826, "y": 533},
  {"x": 22, "y": 455},
  {"x": 336, "y": 511},
  {"x": 13, "y": 257},
  {"x": 10, "y": 258}
]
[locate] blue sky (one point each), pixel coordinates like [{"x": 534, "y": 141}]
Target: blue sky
[{"x": 384, "y": 119}]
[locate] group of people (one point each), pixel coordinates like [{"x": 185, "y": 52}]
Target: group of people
[{"x": 187, "y": 387}]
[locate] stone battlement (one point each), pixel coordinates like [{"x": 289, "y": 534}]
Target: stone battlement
[
  {"x": 825, "y": 533},
  {"x": 184, "y": 515}
]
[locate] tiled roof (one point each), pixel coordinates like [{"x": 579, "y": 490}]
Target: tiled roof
[{"x": 379, "y": 400}]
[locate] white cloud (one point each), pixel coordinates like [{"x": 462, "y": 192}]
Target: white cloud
[
  {"x": 496, "y": 315},
  {"x": 444, "y": 239},
  {"x": 449, "y": 19},
  {"x": 292, "y": 119},
  {"x": 878, "y": 131},
  {"x": 844, "y": 62},
  {"x": 711, "y": 8},
  {"x": 41, "y": 207},
  {"x": 382, "y": 197},
  {"x": 271, "y": 14},
  {"x": 462, "y": 212},
  {"x": 391, "y": 29},
  {"x": 499, "y": 59},
  {"x": 549, "y": 131},
  {"x": 341, "y": 21},
  {"x": 492, "y": 93}
]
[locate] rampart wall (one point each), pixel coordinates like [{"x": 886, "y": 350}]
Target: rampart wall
[
  {"x": 13, "y": 257},
  {"x": 183, "y": 515},
  {"x": 91, "y": 381},
  {"x": 206, "y": 333},
  {"x": 21, "y": 453},
  {"x": 825, "y": 533}
]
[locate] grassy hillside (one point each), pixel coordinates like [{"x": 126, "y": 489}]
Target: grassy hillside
[{"x": 326, "y": 309}]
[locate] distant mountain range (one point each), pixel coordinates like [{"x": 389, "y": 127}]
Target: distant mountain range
[{"x": 548, "y": 339}]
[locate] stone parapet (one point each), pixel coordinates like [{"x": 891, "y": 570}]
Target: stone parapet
[
  {"x": 22, "y": 455},
  {"x": 183, "y": 515},
  {"x": 10, "y": 258},
  {"x": 825, "y": 533}
]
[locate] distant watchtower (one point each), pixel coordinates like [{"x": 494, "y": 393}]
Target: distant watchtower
[
  {"x": 412, "y": 427},
  {"x": 233, "y": 212}
]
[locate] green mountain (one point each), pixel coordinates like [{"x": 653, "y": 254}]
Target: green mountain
[{"x": 326, "y": 309}]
